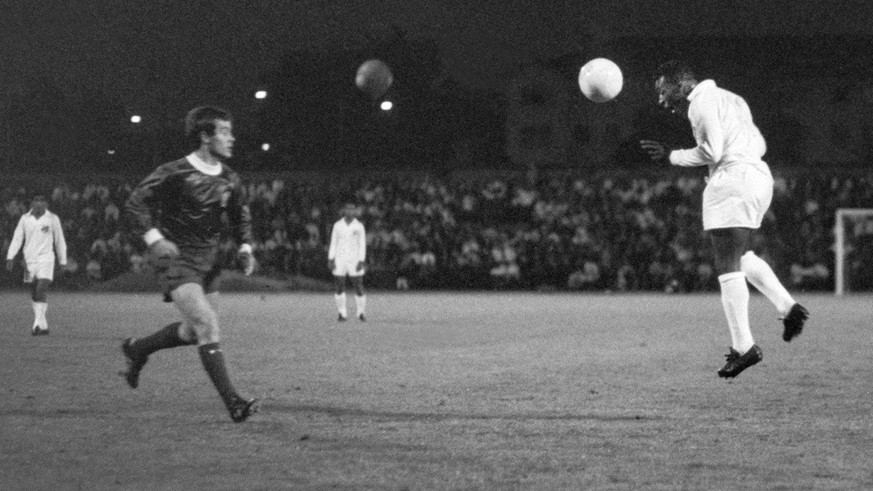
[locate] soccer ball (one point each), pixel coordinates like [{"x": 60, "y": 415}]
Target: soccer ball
[
  {"x": 600, "y": 80},
  {"x": 374, "y": 78}
]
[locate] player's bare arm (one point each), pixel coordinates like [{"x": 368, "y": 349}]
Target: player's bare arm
[{"x": 659, "y": 152}]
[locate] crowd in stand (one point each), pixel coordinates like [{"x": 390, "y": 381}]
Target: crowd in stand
[{"x": 558, "y": 230}]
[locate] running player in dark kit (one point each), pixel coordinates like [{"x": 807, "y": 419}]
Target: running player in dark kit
[{"x": 179, "y": 211}]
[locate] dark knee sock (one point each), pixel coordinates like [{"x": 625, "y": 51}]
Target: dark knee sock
[
  {"x": 213, "y": 362},
  {"x": 166, "y": 338}
]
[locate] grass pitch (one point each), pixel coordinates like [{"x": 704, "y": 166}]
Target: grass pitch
[{"x": 469, "y": 391}]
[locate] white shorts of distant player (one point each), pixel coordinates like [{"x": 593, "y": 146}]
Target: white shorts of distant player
[
  {"x": 42, "y": 270},
  {"x": 737, "y": 196},
  {"x": 347, "y": 267}
]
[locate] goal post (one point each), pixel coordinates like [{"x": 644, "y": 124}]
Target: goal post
[{"x": 850, "y": 223}]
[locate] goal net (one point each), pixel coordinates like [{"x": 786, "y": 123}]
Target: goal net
[{"x": 853, "y": 250}]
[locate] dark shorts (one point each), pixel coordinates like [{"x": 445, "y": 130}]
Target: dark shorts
[{"x": 190, "y": 266}]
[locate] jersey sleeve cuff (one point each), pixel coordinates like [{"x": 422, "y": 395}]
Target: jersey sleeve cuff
[
  {"x": 674, "y": 157},
  {"x": 245, "y": 249},
  {"x": 152, "y": 236}
]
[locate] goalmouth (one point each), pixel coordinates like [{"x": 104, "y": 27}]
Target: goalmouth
[{"x": 853, "y": 234}]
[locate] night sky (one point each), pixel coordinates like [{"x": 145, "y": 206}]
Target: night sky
[{"x": 163, "y": 56}]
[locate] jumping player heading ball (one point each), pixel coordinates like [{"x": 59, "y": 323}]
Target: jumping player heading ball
[{"x": 736, "y": 197}]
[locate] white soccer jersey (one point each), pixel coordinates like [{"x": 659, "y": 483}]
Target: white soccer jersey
[
  {"x": 724, "y": 131},
  {"x": 42, "y": 237},
  {"x": 348, "y": 242}
]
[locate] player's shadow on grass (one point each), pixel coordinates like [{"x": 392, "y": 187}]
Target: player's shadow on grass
[{"x": 273, "y": 405}]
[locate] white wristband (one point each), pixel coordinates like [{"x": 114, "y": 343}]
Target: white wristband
[{"x": 152, "y": 236}]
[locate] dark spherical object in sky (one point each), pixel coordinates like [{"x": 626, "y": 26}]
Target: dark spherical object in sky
[{"x": 374, "y": 77}]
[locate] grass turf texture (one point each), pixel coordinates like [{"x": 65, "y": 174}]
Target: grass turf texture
[{"x": 440, "y": 391}]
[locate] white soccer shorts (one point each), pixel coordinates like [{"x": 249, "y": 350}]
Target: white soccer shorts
[
  {"x": 343, "y": 268},
  {"x": 737, "y": 196},
  {"x": 42, "y": 270}
]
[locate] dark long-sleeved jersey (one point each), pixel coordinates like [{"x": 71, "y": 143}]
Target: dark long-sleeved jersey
[{"x": 186, "y": 205}]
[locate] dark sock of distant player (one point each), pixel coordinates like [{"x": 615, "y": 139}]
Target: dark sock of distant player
[
  {"x": 213, "y": 362},
  {"x": 166, "y": 338}
]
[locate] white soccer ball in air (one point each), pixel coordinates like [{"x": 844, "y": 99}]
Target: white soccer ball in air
[{"x": 600, "y": 80}]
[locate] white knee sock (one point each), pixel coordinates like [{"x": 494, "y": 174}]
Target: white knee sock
[
  {"x": 760, "y": 275},
  {"x": 735, "y": 300},
  {"x": 39, "y": 310},
  {"x": 340, "y": 300},
  {"x": 360, "y": 304}
]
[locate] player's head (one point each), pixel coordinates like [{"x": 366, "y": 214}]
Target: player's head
[
  {"x": 38, "y": 204},
  {"x": 350, "y": 210},
  {"x": 674, "y": 80},
  {"x": 210, "y": 128}
]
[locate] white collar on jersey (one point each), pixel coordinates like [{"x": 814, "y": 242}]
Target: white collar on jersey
[
  {"x": 199, "y": 164},
  {"x": 44, "y": 215},
  {"x": 700, "y": 87}
]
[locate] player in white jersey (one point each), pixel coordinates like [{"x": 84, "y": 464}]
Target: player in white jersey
[
  {"x": 39, "y": 230},
  {"x": 346, "y": 257},
  {"x": 737, "y": 195}
]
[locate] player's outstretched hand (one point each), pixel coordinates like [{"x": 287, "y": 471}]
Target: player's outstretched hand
[
  {"x": 10, "y": 264},
  {"x": 657, "y": 151},
  {"x": 360, "y": 266},
  {"x": 164, "y": 249},
  {"x": 247, "y": 262},
  {"x": 331, "y": 264}
]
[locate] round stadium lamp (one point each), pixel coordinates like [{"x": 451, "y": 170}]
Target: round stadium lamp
[
  {"x": 136, "y": 119},
  {"x": 261, "y": 94},
  {"x": 265, "y": 147},
  {"x": 386, "y": 106}
]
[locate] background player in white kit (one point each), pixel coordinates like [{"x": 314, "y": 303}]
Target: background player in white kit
[
  {"x": 346, "y": 256},
  {"x": 736, "y": 197},
  {"x": 39, "y": 230}
]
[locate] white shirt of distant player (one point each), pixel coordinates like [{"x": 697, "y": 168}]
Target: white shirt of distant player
[
  {"x": 723, "y": 129},
  {"x": 348, "y": 245},
  {"x": 42, "y": 237}
]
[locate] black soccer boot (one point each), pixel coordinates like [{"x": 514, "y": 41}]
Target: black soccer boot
[
  {"x": 134, "y": 364},
  {"x": 736, "y": 362},
  {"x": 794, "y": 321},
  {"x": 240, "y": 409}
]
